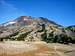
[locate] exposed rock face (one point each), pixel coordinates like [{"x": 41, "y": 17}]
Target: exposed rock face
[
  {"x": 22, "y": 21},
  {"x": 29, "y": 36},
  {"x": 27, "y": 28}
]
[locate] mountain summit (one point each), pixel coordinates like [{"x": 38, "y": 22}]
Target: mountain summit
[
  {"x": 27, "y": 28},
  {"x": 28, "y": 20}
]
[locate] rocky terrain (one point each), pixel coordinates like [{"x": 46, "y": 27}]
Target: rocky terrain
[
  {"x": 27, "y": 28},
  {"x": 31, "y": 36}
]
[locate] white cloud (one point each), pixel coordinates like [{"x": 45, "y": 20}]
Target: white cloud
[
  {"x": 9, "y": 11},
  {"x": 5, "y": 4}
]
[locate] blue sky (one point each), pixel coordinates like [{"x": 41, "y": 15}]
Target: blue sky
[{"x": 60, "y": 11}]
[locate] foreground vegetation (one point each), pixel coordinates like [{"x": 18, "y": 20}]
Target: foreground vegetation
[{"x": 47, "y": 37}]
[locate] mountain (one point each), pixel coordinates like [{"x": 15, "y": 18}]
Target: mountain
[
  {"x": 27, "y": 28},
  {"x": 22, "y": 21}
]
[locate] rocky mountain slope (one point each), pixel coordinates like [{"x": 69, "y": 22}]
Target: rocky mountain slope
[{"x": 27, "y": 28}]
